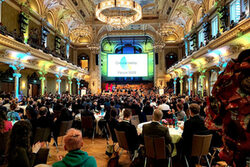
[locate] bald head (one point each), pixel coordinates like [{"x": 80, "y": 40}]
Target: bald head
[{"x": 157, "y": 115}]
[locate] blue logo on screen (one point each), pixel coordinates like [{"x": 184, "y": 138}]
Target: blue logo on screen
[{"x": 124, "y": 63}]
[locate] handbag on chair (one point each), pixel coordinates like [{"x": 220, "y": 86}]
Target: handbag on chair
[{"x": 109, "y": 150}]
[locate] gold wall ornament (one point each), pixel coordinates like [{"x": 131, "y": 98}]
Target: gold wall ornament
[{"x": 118, "y": 13}]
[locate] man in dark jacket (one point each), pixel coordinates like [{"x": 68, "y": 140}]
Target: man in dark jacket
[
  {"x": 130, "y": 130},
  {"x": 156, "y": 129},
  {"x": 195, "y": 125}
]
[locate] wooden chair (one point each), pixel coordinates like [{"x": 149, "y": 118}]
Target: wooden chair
[
  {"x": 4, "y": 138},
  {"x": 64, "y": 127},
  {"x": 114, "y": 139},
  {"x": 88, "y": 123},
  {"x": 42, "y": 135},
  {"x": 149, "y": 117},
  {"x": 122, "y": 141},
  {"x": 200, "y": 147},
  {"x": 42, "y": 156},
  {"x": 156, "y": 149},
  {"x": 135, "y": 120}
]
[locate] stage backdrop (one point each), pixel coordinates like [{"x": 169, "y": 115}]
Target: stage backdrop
[{"x": 127, "y": 59}]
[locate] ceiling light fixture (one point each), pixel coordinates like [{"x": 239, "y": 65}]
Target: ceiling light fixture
[{"x": 118, "y": 13}]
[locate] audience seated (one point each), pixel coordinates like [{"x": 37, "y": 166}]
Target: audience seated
[
  {"x": 5, "y": 125},
  {"x": 62, "y": 115},
  {"x": 130, "y": 130},
  {"x": 2, "y": 107},
  {"x": 156, "y": 129},
  {"x": 75, "y": 156},
  {"x": 147, "y": 109},
  {"x": 195, "y": 125},
  {"x": 12, "y": 114},
  {"x": 88, "y": 112},
  {"x": 50, "y": 110},
  {"x": 165, "y": 109},
  {"x": 20, "y": 152},
  {"x": 180, "y": 113},
  {"x": 113, "y": 123},
  {"x": 43, "y": 121}
]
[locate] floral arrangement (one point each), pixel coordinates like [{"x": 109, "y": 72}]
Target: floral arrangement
[{"x": 168, "y": 121}]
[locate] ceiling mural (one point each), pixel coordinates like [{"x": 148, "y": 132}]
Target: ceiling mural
[{"x": 168, "y": 19}]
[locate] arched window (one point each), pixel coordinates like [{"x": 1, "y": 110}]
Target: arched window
[
  {"x": 170, "y": 59},
  {"x": 83, "y": 61}
]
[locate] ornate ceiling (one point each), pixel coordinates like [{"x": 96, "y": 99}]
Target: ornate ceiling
[{"x": 164, "y": 20}]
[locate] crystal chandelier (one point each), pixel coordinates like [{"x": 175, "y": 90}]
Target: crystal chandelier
[{"x": 118, "y": 13}]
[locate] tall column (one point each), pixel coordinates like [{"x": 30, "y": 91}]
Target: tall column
[
  {"x": 95, "y": 71},
  {"x": 78, "y": 86},
  {"x": 17, "y": 76},
  {"x": 175, "y": 85},
  {"x": 59, "y": 76},
  {"x": 70, "y": 86},
  {"x": 189, "y": 85},
  {"x": 59, "y": 85},
  {"x": 202, "y": 76},
  {"x": 17, "y": 67},
  {"x": 181, "y": 85},
  {"x": 42, "y": 78}
]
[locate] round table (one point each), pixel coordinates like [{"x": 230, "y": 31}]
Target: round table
[{"x": 176, "y": 135}]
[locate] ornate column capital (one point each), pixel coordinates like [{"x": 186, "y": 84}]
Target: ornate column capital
[
  {"x": 42, "y": 78},
  {"x": 18, "y": 75},
  {"x": 59, "y": 80},
  {"x": 17, "y": 66}
]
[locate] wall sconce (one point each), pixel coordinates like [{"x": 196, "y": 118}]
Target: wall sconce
[
  {"x": 56, "y": 86},
  {"x": 67, "y": 87},
  {"x": 23, "y": 85}
]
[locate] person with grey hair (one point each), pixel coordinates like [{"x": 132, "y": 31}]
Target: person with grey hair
[{"x": 156, "y": 129}]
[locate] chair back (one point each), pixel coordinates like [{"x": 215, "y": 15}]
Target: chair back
[
  {"x": 201, "y": 144},
  {"x": 122, "y": 139},
  {"x": 155, "y": 147},
  {"x": 109, "y": 131},
  {"x": 87, "y": 122},
  {"x": 64, "y": 127},
  {"x": 135, "y": 120},
  {"x": 42, "y": 156},
  {"x": 42, "y": 134},
  {"x": 4, "y": 138},
  {"x": 149, "y": 117}
]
